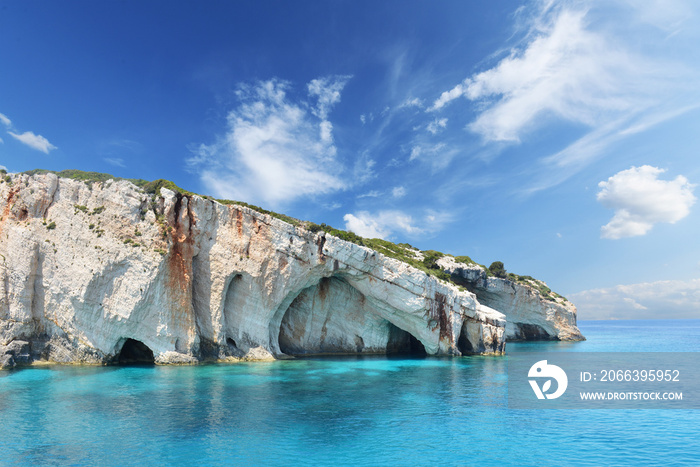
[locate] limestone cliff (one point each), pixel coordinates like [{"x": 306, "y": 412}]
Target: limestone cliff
[
  {"x": 101, "y": 272},
  {"x": 533, "y": 312}
]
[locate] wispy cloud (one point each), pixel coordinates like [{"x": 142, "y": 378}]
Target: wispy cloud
[
  {"x": 37, "y": 142},
  {"x": 411, "y": 102},
  {"x": 437, "y": 125},
  {"x": 370, "y": 194},
  {"x": 275, "y": 149},
  {"x": 385, "y": 223},
  {"x": 565, "y": 70},
  {"x": 381, "y": 224},
  {"x": 650, "y": 300},
  {"x": 570, "y": 65},
  {"x": 115, "y": 161},
  {"x": 438, "y": 155},
  {"x": 398, "y": 192},
  {"x": 327, "y": 90},
  {"x": 332, "y": 206},
  {"x": 640, "y": 200},
  {"x": 668, "y": 15},
  {"x": 28, "y": 138}
]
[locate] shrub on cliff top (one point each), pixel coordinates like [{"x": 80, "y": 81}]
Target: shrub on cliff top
[
  {"x": 430, "y": 258},
  {"x": 498, "y": 270},
  {"x": 465, "y": 260}
]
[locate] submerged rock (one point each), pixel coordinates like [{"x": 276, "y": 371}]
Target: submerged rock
[{"x": 87, "y": 267}]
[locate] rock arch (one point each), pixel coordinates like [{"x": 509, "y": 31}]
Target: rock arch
[{"x": 333, "y": 317}]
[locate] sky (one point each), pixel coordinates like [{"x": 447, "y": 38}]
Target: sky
[{"x": 560, "y": 137}]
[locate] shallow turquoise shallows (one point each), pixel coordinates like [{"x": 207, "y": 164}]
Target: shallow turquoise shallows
[{"x": 341, "y": 411}]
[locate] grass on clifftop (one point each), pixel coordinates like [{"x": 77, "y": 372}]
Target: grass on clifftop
[{"x": 401, "y": 251}]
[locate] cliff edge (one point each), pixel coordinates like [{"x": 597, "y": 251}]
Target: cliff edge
[{"x": 107, "y": 271}]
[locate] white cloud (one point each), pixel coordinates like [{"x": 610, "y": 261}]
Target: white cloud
[
  {"x": 426, "y": 151},
  {"x": 640, "y": 200},
  {"x": 448, "y": 96},
  {"x": 116, "y": 161},
  {"x": 415, "y": 102},
  {"x": 370, "y": 194},
  {"x": 668, "y": 15},
  {"x": 327, "y": 90},
  {"x": 332, "y": 206},
  {"x": 363, "y": 170},
  {"x": 37, "y": 142},
  {"x": 274, "y": 149},
  {"x": 381, "y": 224},
  {"x": 437, "y": 155},
  {"x": 650, "y": 300},
  {"x": 398, "y": 192},
  {"x": 633, "y": 303},
  {"x": 567, "y": 71},
  {"x": 385, "y": 223},
  {"x": 365, "y": 226},
  {"x": 437, "y": 125}
]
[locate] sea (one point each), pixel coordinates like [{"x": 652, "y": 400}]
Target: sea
[{"x": 374, "y": 411}]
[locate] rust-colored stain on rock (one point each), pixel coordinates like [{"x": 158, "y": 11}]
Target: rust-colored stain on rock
[
  {"x": 180, "y": 259},
  {"x": 239, "y": 222},
  {"x": 438, "y": 313},
  {"x": 8, "y": 207}
]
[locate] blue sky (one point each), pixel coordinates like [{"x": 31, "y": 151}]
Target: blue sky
[{"x": 558, "y": 137}]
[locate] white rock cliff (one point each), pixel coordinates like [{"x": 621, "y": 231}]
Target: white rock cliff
[{"x": 102, "y": 272}]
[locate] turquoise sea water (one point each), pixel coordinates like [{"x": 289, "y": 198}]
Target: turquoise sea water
[{"x": 359, "y": 411}]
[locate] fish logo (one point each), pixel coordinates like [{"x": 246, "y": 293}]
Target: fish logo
[{"x": 543, "y": 370}]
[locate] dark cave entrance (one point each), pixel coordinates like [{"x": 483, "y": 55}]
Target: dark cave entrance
[
  {"x": 405, "y": 344},
  {"x": 463, "y": 343},
  {"x": 135, "y": 352}
]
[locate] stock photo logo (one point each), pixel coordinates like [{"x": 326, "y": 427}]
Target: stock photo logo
[{"x": 543, "y": 370}]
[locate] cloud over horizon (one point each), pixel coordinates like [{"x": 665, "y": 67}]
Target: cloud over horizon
[
  {"x": 640, "y": 200},
  {"x": 650, "y": 300}
]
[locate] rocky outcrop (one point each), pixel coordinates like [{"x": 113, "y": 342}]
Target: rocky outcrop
[
  {"x": 533, "y": 312},
  {"x": 97, "y": 272}
]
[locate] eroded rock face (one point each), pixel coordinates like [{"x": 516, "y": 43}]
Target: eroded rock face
[
  {"x": 529, "y": 314},
  {"x": 86, "y": 268}
]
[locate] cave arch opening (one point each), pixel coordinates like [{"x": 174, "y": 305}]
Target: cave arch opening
[
  {"x": 404, "y": 344},
  {"x": 135, "y": 352},
  {"x": 232, "y": 304},
  {"x": 464, "y": 345},
  {"x": 333, "y": 317}
]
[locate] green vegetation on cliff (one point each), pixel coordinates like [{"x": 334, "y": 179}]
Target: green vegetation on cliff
[{"x": 425, "y": 261}]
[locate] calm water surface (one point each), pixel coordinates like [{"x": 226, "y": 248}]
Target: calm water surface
[{"x": 360, "y": 411}]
